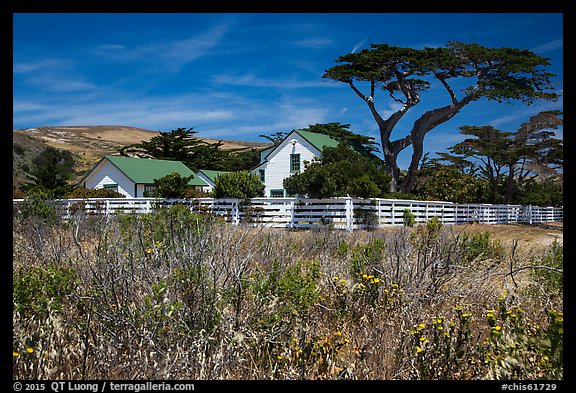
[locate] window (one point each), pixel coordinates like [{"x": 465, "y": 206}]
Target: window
[
  {"x": 294, "y": 163},
  {"x": 276, "y": 193},
  {"x": 149, "y": 188},
  {"x": 262, "y": 173},
  {"x": 111, "y": 186}
]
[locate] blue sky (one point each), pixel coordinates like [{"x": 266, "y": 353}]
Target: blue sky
[{"x": 239, "y": 75}]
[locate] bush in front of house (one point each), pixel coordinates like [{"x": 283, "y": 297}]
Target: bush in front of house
[{"x": 240, "y": 185}]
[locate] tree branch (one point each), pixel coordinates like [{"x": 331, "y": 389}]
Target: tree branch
[
  {"x": 544, "y": 267},
  {"x": 448, "y": 88}
]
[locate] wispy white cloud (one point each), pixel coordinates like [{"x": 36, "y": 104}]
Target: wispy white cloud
[
  {"x": 358, "y": 45},
  {"x": 60, "y": 84},
  {"x": 548, "y": 46},
  {"x": 171, "y": 55},
  {"x": 250, "y": 79},
  {"x": 36, "y": 65}
]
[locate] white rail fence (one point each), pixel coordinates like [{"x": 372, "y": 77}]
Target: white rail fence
[{"x": 337, "y": 213}]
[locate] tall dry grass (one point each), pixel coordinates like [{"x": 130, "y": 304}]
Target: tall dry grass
[{"x": 176, "y": 295}]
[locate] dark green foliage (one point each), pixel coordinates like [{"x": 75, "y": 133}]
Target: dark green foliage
[
  {"x": 275, "y": 138},
  {"x": 240, "y": 185},
  {"x": 38, "y": 203},
  {"x": 171, "y": 186},
  {"x": 51, "y": 171},
  {"x": 444, "y": 183},
  {"x": 339, "y": 172},
  {"x": 408, "y": 217},
  {"x": 546, "y": 193},
  {"x": 40, "y": 289},
  {"x": 182, "y": 145}
]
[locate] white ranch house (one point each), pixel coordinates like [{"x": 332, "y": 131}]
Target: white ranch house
[
  {"x": 288, "y": 157},
  {"x": 134, "y": 176}
]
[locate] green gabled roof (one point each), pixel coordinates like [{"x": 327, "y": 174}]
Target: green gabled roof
[
  {"x": 319, "y": 141},
  {"x": 146, "y": 170},
  {"x": 212, "y": 175}
]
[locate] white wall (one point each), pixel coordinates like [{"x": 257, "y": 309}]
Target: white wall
[
  {"x": 209, "y": 186},
  {"x": 106, "y": 173},
  {"x": 277, "y": 167}
]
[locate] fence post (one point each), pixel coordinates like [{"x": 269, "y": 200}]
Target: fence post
[
  {"x": 235, "y": 213},
  {"x": 349, "y": 214}
]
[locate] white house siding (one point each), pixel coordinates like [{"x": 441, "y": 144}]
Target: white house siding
[
  {"x": 277, "y": 166},
  {"x": 106, "y": 173},
  {"x": 209, "y": 183}
]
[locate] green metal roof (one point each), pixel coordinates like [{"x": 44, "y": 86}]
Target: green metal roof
[
  {"x": 146, "y": 170},
  {"x": 319, "y": 141},
  {"x": 210, "y": 174}
]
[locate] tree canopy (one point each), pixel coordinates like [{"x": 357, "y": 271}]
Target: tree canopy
[
  {"x": 508, "y": 160},
  {"x": 182, "y": 145},
  {"x": 52, "y": 169},
  {"x": 339, "y": 172},
  {"x": 499, "y": 74}
]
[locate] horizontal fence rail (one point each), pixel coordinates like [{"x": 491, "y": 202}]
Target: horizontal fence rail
[{"x": 337, "y": 213}]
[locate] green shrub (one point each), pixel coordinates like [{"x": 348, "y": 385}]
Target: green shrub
[
  {"x": 40, "y": 289},
  {"x": 479, "y": 245},
  {"x": 551, "y": 279},
  {"x": 196, "y": 291},
  {"x": 170, "y": 186},
  {"x": 366, "y": 257},
  {"x": 38, "y": 204},
  {"x": 240, "y": 185},
  {"x": 295, "y": 289},
  {"x": 517, "y": 348},
  {"x": 443, "y": 348},
  {"x": 408, "y": 217}
]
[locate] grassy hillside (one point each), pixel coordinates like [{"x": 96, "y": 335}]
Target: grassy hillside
[{"x": 87, "y": 144}]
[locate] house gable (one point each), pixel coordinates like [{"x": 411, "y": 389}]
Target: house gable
[
  {"x": 106, "y": 175},
  {"x": 279, "y": 164}
]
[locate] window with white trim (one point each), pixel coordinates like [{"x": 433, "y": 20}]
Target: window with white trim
[{"x": 294, "y": 163}]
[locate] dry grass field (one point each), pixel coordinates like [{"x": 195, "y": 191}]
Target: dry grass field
[{"x": 181, "y": 296}]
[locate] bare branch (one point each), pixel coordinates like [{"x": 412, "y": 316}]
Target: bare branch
[{"x": 448, "y": 88}]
